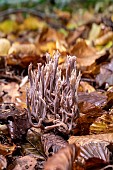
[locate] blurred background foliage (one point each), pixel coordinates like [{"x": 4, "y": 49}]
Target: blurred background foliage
[{"x": 99, "y": 5}]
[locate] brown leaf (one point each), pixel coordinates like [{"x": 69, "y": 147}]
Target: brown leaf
[
  {"x": 109, "y": 103},
  {"x": 26, "y": 162},
  {"x": 50, "y": 40},
  {"x": 52, "y": 143},
  {"x": 3, "y": 162},
  {"x": 86, "y": 87},
  {"x": 86, "y": 55},
  {"x": 106, "y": 74},
  {"x": 22, "y": 54},
  {"x": 11, "y": 92},
  {"x": 75, "y": 34},
  {"x": 89, "y": 112},
  {"x": 63, "y": 160},
  {"x": 103, "y": 124},
  {"x": 7, "y": 149},
  {"x": 104, "y": 39},
  {"x": 80, "y": 140},
  {"x": 4, "y": 46},
  {"x": 16, "y": 120},
  {"x": 98, "y": 99},
  {"x": 93, "y": 151}
]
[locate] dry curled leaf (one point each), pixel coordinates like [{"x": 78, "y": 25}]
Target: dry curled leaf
[
  {"x": 52, "y": 143},
  {"x": 4, "y": 46},
  {"x": 22, "y": 54},
  {"x": 106, "y": 74},
  {"x": 97, "y": 99},
  {"x": 86, "y": 87},
  {"x": 16, "y": 120},
  {"x": 103, "y": 124},
  {"x": 63, "y": 159},
  {"x": 3, "y": 162},
  {"x": 26, "y": 162},
  {"x": 22, "y": 49},
  {"x": 86, "y": 55},
  {"x": 104, "y": 39},
  {"x": 93, "y": 151},
  {"x": 10, "y": 91},
  {"x": 80, "y": 140},
  {"x": 7, "y": 149},
  {"x": 89, "y": 112}
]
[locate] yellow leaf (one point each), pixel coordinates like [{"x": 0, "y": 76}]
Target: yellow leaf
[
  {"x": 32, "y": 23},
  {"x": 8, "y": 26},
  {"x": 4, "y": 46}
]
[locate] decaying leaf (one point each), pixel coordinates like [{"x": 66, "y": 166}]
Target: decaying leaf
[
  {"x": 89, "y": 113},
  {"x": 86, "y": 87},
  {"x": 103, "y": 124},
  {"x": 63, "y": 159},
  {"x": 86, "y": 55},
  {"x": 109, "y": 103},
  {"x": 3, "y": 162},
  {"x": 26, "y": 162},
  {"x": 4, "y": 46},
  {"x": 10, "y": 91},
  {"x": 96, "y": 98},
  {"x": 80, "y": 140},
  {"x": 22, "y": 49},
  {"x": 8, "y": 26},
  {"x": 34, "y": 146},
  {"x": 94, "y": 32},
  {"x": 93, "y": 150},
  {"x": 16, "y": 120},
  {"x": 7, "y": 149},
  {"x": 104, "y": 39},
  {"x": 75, "y": 34},
  {"x": 52, "y": 143},
  {"x": 22, "y": 54},
  {"x": 106, "y": 74}
]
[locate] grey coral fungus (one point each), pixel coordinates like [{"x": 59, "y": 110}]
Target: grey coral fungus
[{"x": 52, "y": 99}]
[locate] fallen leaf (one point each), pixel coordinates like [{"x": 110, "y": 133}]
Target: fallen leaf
[
  {"x": 72, "y": 37},
  {"x": 26, "y": 162},
  {"x": 3, "y": 162},
  {"x": 88, "y": 114},
  {"x": 23, "y": 54},
  {"x": 103, "y": 124},
  {"x": 63, "y": 159},
  {"x": 7, "y": 149},
  {"x": 104, "y": 39},
  {"x": 93, "y": 150},
  {"x": 17, "y": 121},
  {"x": 96, "y": 98},
  {"x": 11, "y": 92},
  {"x": 86, "y": 55},
  {"x": 32, "y": 23},
  {"x": 80, "y": 140},
  {"x": 106, "y": 74},
  {"x": 34, "y": 146},
  {"x": 94, "y": 32},
  {"x": 4, "y": 46},
  {"x": 86, "y": 87},
  {"x": 52, "y": 143},
  {"x": 8, "y": 26}
]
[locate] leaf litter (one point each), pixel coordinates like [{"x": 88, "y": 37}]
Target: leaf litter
[{"x": 57, "y": 112}]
